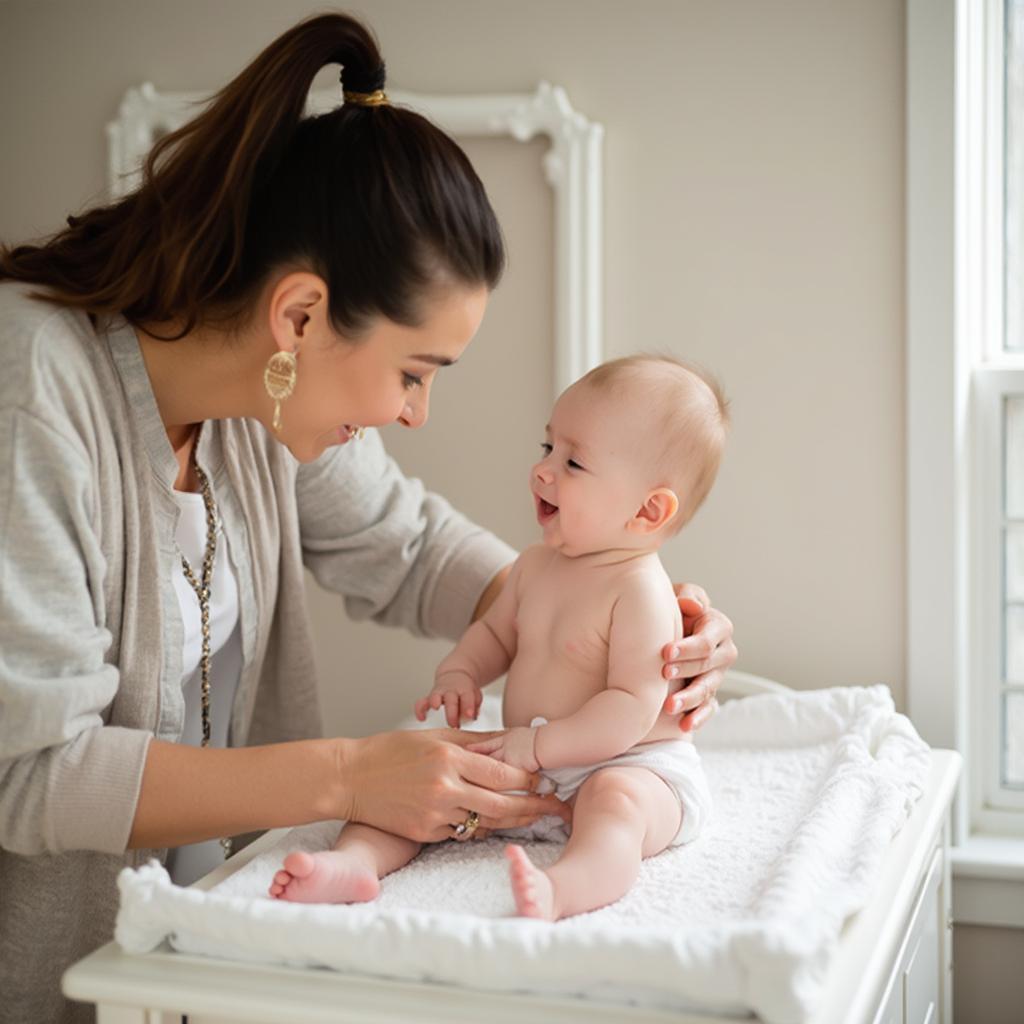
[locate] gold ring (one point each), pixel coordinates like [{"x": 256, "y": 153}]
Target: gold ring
[{"x": 465, "y": 829}]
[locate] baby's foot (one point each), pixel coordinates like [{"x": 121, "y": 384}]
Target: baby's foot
[
  {"x": 327, "y": 877},
  {"x": 531, "y": 887}
]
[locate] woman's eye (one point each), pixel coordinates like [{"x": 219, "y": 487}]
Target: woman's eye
[
  {"x": 545, "y": 447},
  {"x": 410, "y": 382}
]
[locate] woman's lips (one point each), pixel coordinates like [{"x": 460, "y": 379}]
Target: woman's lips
[{"x": 345, "y": 432}]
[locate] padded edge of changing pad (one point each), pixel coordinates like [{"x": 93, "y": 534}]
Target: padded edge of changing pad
[{"x": 628, "y": 966}]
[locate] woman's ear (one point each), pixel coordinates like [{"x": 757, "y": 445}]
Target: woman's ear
[
  {"x": 658, "y": 508},
  {"x": 296, "y": 299}
]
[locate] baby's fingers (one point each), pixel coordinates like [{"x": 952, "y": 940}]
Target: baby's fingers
[{"x": 451, "y": 708}]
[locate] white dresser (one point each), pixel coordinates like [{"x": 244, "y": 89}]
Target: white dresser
[{"x": 893, "y": 964}]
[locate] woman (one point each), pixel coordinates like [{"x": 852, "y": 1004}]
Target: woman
[{"x": 188, "y": 373}]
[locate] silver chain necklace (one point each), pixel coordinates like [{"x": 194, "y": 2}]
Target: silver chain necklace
[{"x": 203, "y": 590}]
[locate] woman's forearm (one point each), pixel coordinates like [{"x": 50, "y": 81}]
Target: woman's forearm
[{"x": 189, "y": 794}]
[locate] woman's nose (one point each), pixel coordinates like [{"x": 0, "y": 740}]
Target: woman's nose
[{"x": 414, "y": 414}]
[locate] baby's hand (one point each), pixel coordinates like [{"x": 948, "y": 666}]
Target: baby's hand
[
  {"x": 459, "y": 694},
  {"x": 515, "y": 747}
]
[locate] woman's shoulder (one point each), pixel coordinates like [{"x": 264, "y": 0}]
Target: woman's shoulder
[
  {"x": 25, "y": 315},
  {"x": 42, "y": 344}
]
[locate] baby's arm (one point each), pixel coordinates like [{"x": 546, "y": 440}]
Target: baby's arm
[
  {"x": 619, "y": 716},
  {"x": 483, "y": 653}
]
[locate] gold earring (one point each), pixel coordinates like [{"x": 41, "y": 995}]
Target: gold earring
[{"x": 279, "y": 380}]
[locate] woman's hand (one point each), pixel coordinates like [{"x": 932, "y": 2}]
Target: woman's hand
[
  {"x": 421, "y": 783},
  {"x": 701, "y": 658}
]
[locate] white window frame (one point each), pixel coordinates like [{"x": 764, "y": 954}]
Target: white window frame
[
  {"x": 994, "y": 376},
  {"x": 957, "y": 373}
]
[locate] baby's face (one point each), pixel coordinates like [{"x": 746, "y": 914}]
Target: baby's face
[{"x": 594, "y": 475}]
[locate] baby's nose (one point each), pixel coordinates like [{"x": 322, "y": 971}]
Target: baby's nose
[{"x": 542, "y": 472}]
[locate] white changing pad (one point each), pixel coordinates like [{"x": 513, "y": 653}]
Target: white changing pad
[{"x": 808, "y": 788}]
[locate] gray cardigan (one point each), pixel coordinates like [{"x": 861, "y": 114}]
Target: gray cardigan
[{"x": 90, "y": 633}]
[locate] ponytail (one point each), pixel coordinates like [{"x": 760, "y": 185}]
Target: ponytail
[{"x": 376, "y": 200}]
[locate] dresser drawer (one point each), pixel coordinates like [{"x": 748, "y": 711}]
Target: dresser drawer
[{"x": 915, "y": 986}]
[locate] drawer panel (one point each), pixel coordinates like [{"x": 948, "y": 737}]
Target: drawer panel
[
  {"x": 922, "y": 976},
  {"x": 915, "y": 984}
]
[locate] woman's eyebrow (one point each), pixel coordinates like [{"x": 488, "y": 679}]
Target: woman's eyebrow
[{"x": 436, "y": 360}]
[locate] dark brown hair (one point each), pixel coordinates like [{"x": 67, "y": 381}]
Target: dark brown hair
[{"x": 378, "y": 201}]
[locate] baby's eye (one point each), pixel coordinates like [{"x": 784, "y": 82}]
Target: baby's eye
[
  {"x": 545, "y": 447},
  {"x": 573, "y": 464},
  {"x": 410, "y": 382}
]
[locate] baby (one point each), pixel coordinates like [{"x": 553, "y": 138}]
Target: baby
[{"x": 631, "y": 452}]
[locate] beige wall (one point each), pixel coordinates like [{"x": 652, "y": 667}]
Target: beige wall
[
  {"x": 988, "y": 980},
  {"x": 754, "y": 212}
]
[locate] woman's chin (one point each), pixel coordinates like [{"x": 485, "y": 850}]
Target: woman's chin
[
  {"x": 305, "y": 455},
  {"x": 333, "y": 438},
  {"x": 309, "y": 451}
]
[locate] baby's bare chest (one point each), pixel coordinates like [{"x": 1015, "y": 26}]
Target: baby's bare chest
[
  {"x": 566, "y": 627},
  {"x": 561, "y": 657}
]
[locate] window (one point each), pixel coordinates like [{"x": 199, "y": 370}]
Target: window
[
  {"x": 1013, "y": 93},
  {"x": 995, "y": 219},
  {"x": 965, "y": 427}
]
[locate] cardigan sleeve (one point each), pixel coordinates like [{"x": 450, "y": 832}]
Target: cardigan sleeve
[
  {"x": 67, "y": 780},
  {"x": 396, "y": 552}
]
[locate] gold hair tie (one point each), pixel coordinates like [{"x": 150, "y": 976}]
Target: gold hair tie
[{"x": 377, "y": 98}]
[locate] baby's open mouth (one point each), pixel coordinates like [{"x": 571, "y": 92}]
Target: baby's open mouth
[{"x": 544, "y": 508}]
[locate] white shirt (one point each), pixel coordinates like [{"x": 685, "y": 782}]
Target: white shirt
[{"x": 188, "y": 863}]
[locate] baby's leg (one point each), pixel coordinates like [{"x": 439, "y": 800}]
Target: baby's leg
[
  {"x": 347, "y": 874},
  {"x": 621, "y": 815}
]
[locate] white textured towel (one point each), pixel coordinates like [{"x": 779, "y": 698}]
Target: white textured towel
[{"x": 808, "y": 789}]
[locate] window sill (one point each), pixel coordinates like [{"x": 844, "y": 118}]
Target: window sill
[{"x": 988, "y": 881}]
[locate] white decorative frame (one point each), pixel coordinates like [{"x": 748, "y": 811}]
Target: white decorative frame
[{"x": 573, "y": 167}]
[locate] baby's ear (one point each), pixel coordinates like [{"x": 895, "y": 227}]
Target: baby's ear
[{"x": 658, "y": 508}]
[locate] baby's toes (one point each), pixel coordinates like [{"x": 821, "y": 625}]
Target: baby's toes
[{"x": 298, "y": 865}]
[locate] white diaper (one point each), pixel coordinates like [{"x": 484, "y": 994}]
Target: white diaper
[{"x": 675, "y": 761}]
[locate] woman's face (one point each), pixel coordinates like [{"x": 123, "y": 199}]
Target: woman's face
[{"x": 382, "y": 378}]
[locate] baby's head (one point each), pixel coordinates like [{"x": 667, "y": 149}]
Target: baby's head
[{"x": 631, "y": 452}]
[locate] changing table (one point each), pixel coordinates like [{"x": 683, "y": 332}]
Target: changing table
[{"x": 892, "y": 965}]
